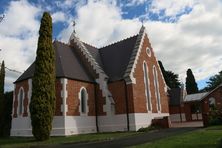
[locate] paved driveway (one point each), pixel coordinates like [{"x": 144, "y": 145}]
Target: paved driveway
[{"x": 129, "y": 141}]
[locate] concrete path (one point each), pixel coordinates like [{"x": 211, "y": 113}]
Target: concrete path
[{"x": 130, "y": 141}]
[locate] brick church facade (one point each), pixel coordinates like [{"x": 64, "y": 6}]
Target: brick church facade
[{"x": 118, "y": 87}]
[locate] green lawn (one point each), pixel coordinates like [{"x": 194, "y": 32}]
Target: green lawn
[
  {"x": 204, "y": 138},
  {"x": 15, "y": 142}
]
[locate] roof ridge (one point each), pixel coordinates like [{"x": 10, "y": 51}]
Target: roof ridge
[
  {"x": 118, "y": 41},
  {"x": 90, "y": 45},
  {"x": 61, "y": 42}
]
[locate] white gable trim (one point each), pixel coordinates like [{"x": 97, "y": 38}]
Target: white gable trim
[{"x": 134, "y": 57}]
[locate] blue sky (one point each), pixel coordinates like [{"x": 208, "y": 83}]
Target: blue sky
[{"x": 180, "y": 31}]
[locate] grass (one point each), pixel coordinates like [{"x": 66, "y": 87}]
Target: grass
[
  {"x": 204, "y": 138},
  {"x": 20, "y": 142}
]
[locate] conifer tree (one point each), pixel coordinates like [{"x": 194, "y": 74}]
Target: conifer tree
[
  {"x": 2, "y": 100},
  {"x": 171, "y": 79},
  {"x": 191, "y": 85},
  {"x": 42, "y": 104}
]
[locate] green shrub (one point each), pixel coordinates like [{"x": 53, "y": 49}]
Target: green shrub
[
  {"x": 149, "y": 128},
  {"x": 215, "y": 117}
]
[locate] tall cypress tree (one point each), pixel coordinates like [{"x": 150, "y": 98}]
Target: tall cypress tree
[
  {"x": 42, "y": 104},
  {"x": 191, "y": 85},
  {"x": 2, "y": 100}
]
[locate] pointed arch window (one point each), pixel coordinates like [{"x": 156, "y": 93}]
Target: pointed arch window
[
  {"x": 147, "y": 86},
  {"x": 83, "y": 100},
  {"x": 156, "y": 85},
  {"x": 20, "y": 100}
]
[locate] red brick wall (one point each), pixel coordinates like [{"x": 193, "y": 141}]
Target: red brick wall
[
  {"x": 73, "y": 87},
  {"x": 175, "y": 109},
  {"x": 25, "y": 86},
  {"x": 139, "y": 98},
  {"x": 217, "y": 94},
  {"x": 118, "y": 91},
  {"x": 100, "y": 101},
  {"x": 187, "y": 109}
]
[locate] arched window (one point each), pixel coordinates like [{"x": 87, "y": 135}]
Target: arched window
[
  {"x": 147, "y": 86},
  {"x": 212, "y": 102},
  {"x": 83, "y": 100},
  {"x": 20, "y": 100},
  {"x": 156, "y": 85}
]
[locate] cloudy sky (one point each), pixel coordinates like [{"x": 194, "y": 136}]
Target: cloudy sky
[{"x": 184, "y": 33}]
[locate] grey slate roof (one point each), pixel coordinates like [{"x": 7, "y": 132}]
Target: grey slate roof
[
  {"x": 113, "y": 59},
  {"x": 116, "y": 57},
  {"x": 67, "y": 65},
  {"x": 195, "y": 97}
]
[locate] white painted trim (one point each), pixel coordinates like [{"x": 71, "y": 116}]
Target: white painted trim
[
  {"x": 29, "y": 95},
  {"x": 138, "y": 120},
  {"x": 112, "y": 123},
  {"x": 64, "y": 95},
  {"x": 22, "y": 103},
  {"x": 148, "y": 98},
  {"x": 157, "y": 89},
  {"x": 86, "y": 102},
  {"x": 136, "y": 60}
]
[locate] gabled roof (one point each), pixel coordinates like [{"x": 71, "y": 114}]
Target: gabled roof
[
  {"x": 207, "y": 94},
  {"x": 116, "y": 57},
  {"x": 67, "y": 65},
  {"x": 110, "y": 62}
]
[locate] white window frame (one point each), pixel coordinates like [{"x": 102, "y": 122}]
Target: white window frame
[
  {"x": 147, "y": 88},
  {"x": 148, "y": 53},
  {"x": 20, "y": 108},
  {"x": 157, "y": 89},
  {"x": 86, "y": 101}
]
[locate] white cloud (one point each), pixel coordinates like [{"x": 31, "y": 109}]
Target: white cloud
[
  {"x": 58, "y": 17},
  {"x": 135, "y": 2},
  {"x": 18, "y": 36},
  {"x": 194, "y": 41},
  {"x": 100, "y": 23},
  {"x": 171, "y": 7}
]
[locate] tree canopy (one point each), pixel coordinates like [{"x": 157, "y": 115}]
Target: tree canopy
[
  {"x": 191, "y": 85},
  {"x": 171, "y": 79},
  {"x": 42, "y": 104},
  {"x": 213, "y": 82}
]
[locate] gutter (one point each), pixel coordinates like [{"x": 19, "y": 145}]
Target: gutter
[{"x": 95, "y": 93}]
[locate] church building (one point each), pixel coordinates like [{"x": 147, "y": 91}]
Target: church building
[{"x": 118, "y": 87}]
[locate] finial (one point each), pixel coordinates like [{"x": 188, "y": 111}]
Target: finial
[
  {"x": 74, "y": 24},
  {"x": 73, "y": 33}
]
